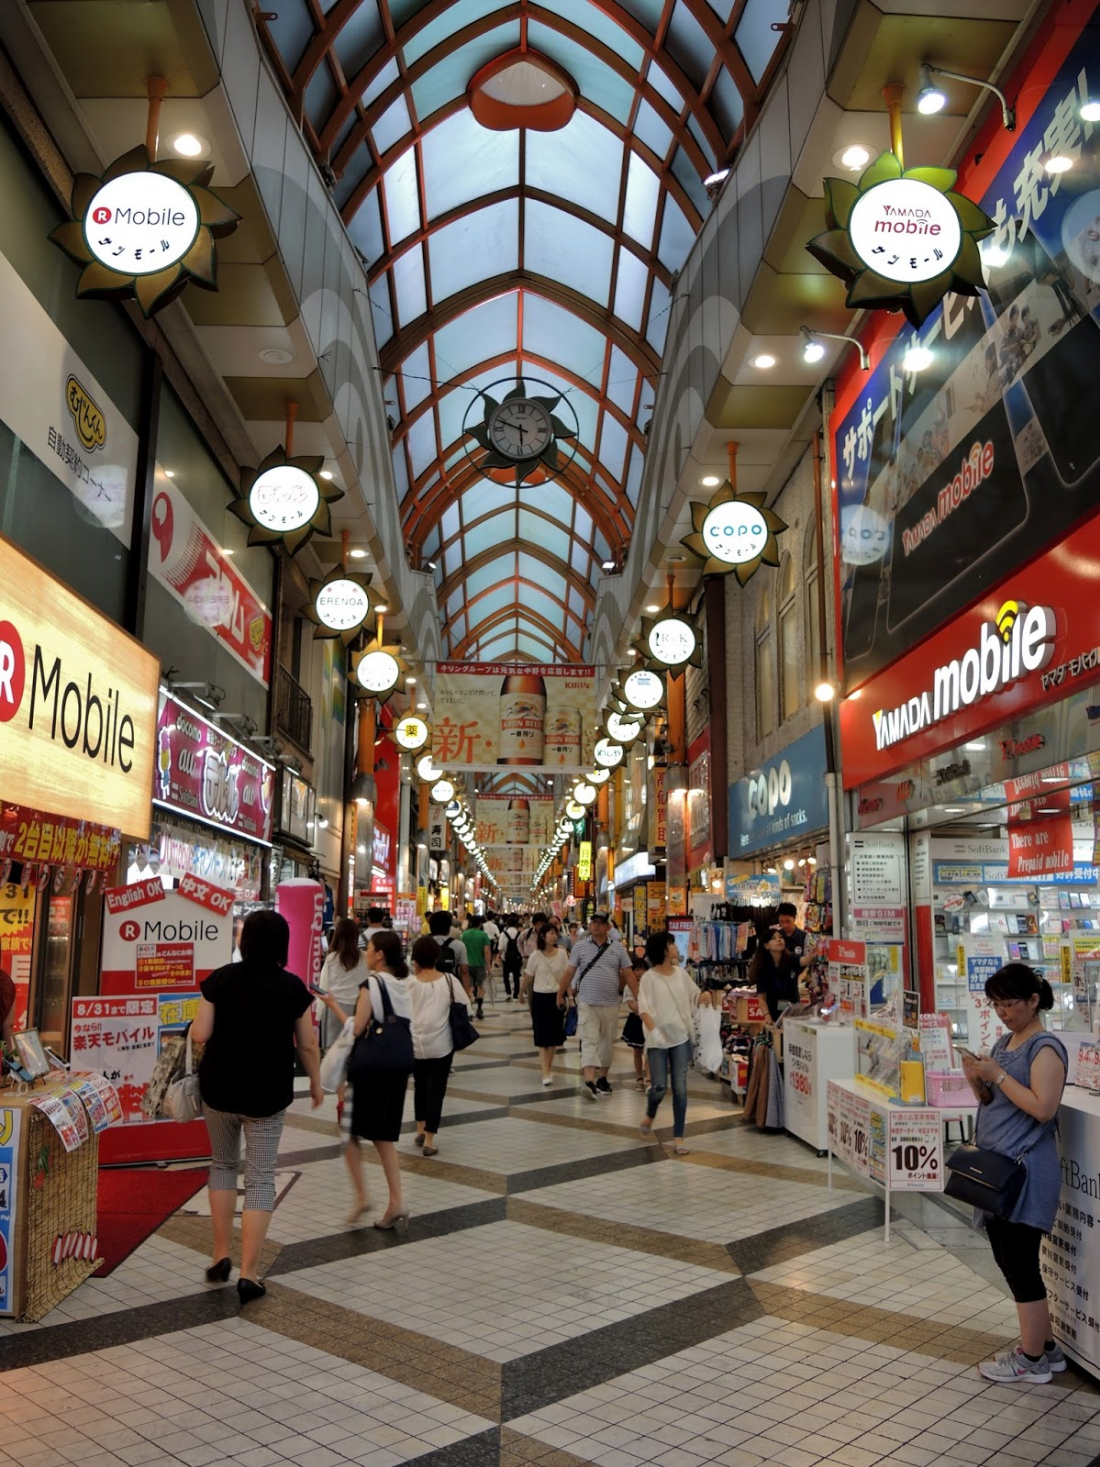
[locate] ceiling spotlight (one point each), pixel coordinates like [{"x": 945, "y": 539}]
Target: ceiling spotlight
[
  {"x": 357, "y": 554},
  {"x": 652, "y": 607},
  {"x": 380, "y": 607},
  {"x": 276, "y": 356},
  {"x": 855, "y": 158},
  {"x": 326, "y": 473},
  {"x": 710, "y": 481},
  {"x": 788, "y": 864},
  {"x": 1057, "y": 163},
  {"x": 169, "y": 473},
  {"x": 930, "y": 98},
  {"x": 187, "y": 145},
  {"x": 917, "y": 359},
  {"x": 609, "y": 565},
  {"x": 1090, "y": 112},
  {"x": 812, "y": 352},
  {"x": 712, "y": 180},
  {"x": 764, "y": 362}
]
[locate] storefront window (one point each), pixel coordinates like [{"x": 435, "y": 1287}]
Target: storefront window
[
  {"x": 813, "y": 607},
  {"x": 765, "y": 669},
  {"x": 53, "y": 995},
  {"x": 790, "y": 668}
]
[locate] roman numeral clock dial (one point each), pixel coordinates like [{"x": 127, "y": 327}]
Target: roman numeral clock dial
[{"x": 530, "y": 434}]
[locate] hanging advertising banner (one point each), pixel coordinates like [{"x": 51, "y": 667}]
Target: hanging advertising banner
[
  {"x": 517, "y": 820},
  {"x": 1033, "y": 638},
  {"x": 77, "y": 703},
  {"x": 700, "y": 849},
  {"x": 34, "y": 835},
  {"x": 524, "y": 714},
  {"x": 1040, "y": 828},
  {"x": 949, "y": 477},
  {"x": 203, "y": 773},
  {"x": 16, "y": 931},
  {"x": 783, "y": 800},
  {"x": 58, "y": 409},
  {"x": 658, "y": 812},
  {"x": 191, "y": 565}
]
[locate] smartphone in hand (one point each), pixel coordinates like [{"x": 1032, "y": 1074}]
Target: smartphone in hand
[{"x": 316, "y": 988}]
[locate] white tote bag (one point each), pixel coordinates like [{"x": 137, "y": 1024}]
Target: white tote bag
[
  {"x": 334, "y": 1066},
  {"x": 708, "y": 1039},
  {"x": 182, "y": 1101}
]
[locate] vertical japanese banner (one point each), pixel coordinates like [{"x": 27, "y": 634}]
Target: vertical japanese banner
[{"x": 16, "y": 929}]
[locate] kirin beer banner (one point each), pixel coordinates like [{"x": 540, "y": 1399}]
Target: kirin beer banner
[{"x": 493, "y": 714}]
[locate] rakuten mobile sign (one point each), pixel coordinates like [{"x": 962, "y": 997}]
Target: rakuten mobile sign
[{"x": 78, "y": 703}]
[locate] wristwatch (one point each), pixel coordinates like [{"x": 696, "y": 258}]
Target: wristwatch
[{"x": 1001, "y": 1078}]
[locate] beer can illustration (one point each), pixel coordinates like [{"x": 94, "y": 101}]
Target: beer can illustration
[
  {"x": 518, "y": 826},
  {"x": 563, "y": 737},
  {"x": 522, "y": 719}
]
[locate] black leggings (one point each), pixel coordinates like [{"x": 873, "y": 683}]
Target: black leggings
[
  {"x": 1016, "y": 1250},
  {"x": 429, "y": 1087}
]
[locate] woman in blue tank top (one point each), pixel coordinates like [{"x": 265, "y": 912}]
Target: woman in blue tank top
[{"x": 1019, "y": 1089}]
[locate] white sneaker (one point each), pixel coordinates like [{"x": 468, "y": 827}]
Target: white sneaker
[
  {"x": 1014, "y": 1366},
  {"x": 1055, "y": 1359},
  {"x": 547, "y": 1082}
]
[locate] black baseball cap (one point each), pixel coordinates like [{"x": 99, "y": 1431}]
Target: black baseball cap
[{"x": 600, "y": 917}]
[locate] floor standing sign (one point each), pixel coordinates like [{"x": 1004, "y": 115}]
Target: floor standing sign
[{"x": 158, "y": 946}]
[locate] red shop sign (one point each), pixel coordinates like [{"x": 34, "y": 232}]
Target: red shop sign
[
  {"x": 1032, "y": 639},
  {"x": 204, "y": 773}
]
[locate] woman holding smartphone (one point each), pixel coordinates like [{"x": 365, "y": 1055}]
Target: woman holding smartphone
[{"x": 1019, "y": 1089}]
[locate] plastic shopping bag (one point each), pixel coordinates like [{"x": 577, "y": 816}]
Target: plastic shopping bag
[
  {"x": 708, "y": 1039},
  {"x": 334, "y": 1066}
]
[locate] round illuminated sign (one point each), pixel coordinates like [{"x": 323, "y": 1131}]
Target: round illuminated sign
[
  {"x": 735, "y": 532},
  {"x": 378, "y": 672},
  {"x": 574, "y": 811},
  {"x": 426, "y": 770},
  {"x": 284, "y": 498},
  {"x": 643, "y": 689},
  {"x": 671, "y": 641},
  {"x": 140, "y": 223},
  {"x": 443, "y": 791},
  {"x": 411, "y": 733},
  {"x": 598, "y": 776},
  {"x": 342, "y": 606},
  {"x": 453, "y": 810},
  {"x": 905, "y": 231},
  {"x": 584, "y": 793},
  {"x": 608, "y": 754},
  {"x": 864, "y": 536},
  {"x": 622, "y": 730}
]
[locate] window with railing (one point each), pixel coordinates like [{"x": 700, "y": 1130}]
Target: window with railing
[{"x": 293, "y": 710}]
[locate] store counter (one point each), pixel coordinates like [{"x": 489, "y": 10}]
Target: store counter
[
  {"x": 896, "y": 1147},
  {"x": 1071, "y": 1255},
  {"x": 813, "y": 1054}
]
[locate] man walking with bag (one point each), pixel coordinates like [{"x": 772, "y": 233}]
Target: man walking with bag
[{"x": 597, "y": 971}]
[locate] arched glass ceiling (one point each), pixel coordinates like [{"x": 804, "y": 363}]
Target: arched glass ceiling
[{"x": 547, "y": 255}]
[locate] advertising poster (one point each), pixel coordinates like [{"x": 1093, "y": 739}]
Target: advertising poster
[
  {"x": 784, "y": 798},
  {"x": 700, "y": 848},
  {"x": 489, "y": 714},
  {"x": 949, "y": 477},
  {"x": 16, "y": 928},
  {"x": 118, "y": 1035},
  {"x": 10, "y": 1122},
  {"x": 1069, "y": 1256},
  {"x": 1040, "y": 826},
  {"x": 203, "y": 773},
  {"x": 191, "y": 565},
  {"x": 169, "y": 940},
  {"x": 514, "y": 820},
  {"x": 915, "y": 1150}
]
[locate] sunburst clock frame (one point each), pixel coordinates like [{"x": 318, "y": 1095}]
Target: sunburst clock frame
[
  {"x": 520, "y": 433},
  {"x": 117, "y": 235},
  {"x": 667, "y": 642}
]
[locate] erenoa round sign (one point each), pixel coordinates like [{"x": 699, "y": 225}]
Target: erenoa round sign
[
  {"x": 140, "y": 223},
  {"x": 643, "y": 689},
  {"x": 284, "y": 498},
  {"x": 735, "y": 532},
  {"x": 342, "y": 605}
]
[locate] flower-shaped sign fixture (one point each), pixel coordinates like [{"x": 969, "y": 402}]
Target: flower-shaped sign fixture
[
  {"x": 670, "y": 642},
  {"x": 734, "y": 532},
  {"x": 900, "y": 239},
  {"x": 378, "y": 670},
  {"x": 339, "y": 605},
  {"x": 145, "y": 229},
  {"x": 285, "y": 499}
]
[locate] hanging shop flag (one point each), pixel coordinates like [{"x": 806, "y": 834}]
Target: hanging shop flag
[
  {"x": 901, "y": 239},
  {"x": 145, "y": 229},
  {"x": 734, "y": 532},
  {"x": 285, "y": 499},
  {"x": 339, "y": 605},
  {"x": 526, "y": 714}
]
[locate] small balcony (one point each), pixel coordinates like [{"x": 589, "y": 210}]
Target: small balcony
[{"x": 293, "y": 710}]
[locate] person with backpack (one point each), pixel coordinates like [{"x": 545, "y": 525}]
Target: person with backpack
[
  {"x": 511, "y": 959},
  {"x": 479, "y": 953},
  {"x": 452, "y": 952}
]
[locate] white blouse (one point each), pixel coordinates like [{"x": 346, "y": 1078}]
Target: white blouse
[
  {"x": 400, "y": 992},
  {"x": 431, "y": 1014},
  {"x": 546, "y": 971},
  {"x": 669, "y": 999},
  {"x": 343, "y": 983}
]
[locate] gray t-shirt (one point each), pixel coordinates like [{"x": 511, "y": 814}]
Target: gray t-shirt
[{"x": 601, "y": 983}]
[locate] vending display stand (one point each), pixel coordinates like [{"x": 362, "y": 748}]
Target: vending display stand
[
  {"x": 49, "y": 1171},
  {"x": 813, "y": 1054},
  {"x": 896, "y": 1147}
]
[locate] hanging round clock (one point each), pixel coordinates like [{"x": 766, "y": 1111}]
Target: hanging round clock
[{"x": 517, "y": 435}]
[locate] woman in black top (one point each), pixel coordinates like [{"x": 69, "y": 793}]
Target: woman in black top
[
  {"x": 250, "y": 1015},
  {"x": 775, "y": 972}
]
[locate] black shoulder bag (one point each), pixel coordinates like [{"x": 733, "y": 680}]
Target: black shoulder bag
[
  {"x": 384, "y": 1048},
  {"x": 985, "y": 1179},
  {"x": 463, "y": 1032}
]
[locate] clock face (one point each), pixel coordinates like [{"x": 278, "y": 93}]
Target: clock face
[{"x": 520, "y": 428}]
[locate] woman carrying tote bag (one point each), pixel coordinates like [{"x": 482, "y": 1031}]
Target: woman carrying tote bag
[
  {"x": 1019, "y": 1089},
  {"x": 433, "y": 993}
]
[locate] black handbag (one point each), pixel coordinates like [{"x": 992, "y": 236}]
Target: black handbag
[
  {"x": 463, "y": 1032},
  {"x": 985, "y": 1179},
  {"x": 384, "y": 1048}
]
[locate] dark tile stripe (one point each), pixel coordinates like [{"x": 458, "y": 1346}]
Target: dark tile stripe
[
  {"x": 550, "y": 1375},
  {"x": 777, "y": 1245},
  {"x": 482, "y": 1450},
  {"x": 575, "y": 1171},
  {"x": 354, "y": 1243}
]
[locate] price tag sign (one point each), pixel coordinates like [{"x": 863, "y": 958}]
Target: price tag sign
[{"x": 915, "y": 1151}]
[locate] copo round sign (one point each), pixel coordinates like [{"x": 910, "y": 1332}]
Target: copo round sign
[
  {"x": 671, "y": 641},
  {"x": 905, "y": 230},
  {"x": 735, "y": 532},
  {"x": 140, "y": 223},
  {"x": 284, "y": 498},
  {"x": 342, "y": 605}
]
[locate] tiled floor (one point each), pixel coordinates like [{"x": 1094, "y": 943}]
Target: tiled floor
[{"x": 566, "y": 1293}]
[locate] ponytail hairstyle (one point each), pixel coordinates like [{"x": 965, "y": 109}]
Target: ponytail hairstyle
[
  {"x": 1017, "y": 980},
  {"x": 388, "y": 945}
]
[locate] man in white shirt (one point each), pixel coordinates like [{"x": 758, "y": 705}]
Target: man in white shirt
[{"x": 597, "y": 972}]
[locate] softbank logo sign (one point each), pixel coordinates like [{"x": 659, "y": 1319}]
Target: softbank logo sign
[
  {"x": 84, "y": 715},
  {"x": 1019, "y": 642}
]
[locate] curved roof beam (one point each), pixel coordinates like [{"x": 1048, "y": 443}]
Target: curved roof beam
[
  {"x": 552, "y": 560},
  {"x": 509, "y": 548},
  {"x": 554, "y": 635}
]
